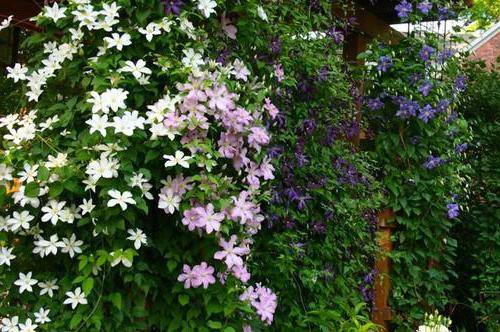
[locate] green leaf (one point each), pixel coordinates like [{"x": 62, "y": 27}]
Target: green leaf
[
  {"x": 142, "y": 205},
  {"x": 55, "y": 189},
  {"x": 214, "y": 325},
  {"x": 183, "y": 299},
  {"x": 83, "y": 262},
  {"x": 73, "y": 186},
  {"x": 32, "y": 189},
  {"x": 116, "y": 299},
  {"x": 87, "y": 286},
  {"x": 171, "y": 265},
  {"x": 75, "y": 320}
]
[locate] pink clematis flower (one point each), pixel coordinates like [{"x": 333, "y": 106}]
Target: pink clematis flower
[
  {"x": 266, "y": 169},
  {"x": 236, "y": 120},
  {"x": 253, "y": 173},
  {"x": 188, "y": 277},
  {"x": 229, "y": 29},
  {"x": 271, "y": 108},
  {"x": 243, "y": 210},
  {"x": 229, "y": 253},
  {"x": 198, "y": 275},
  {"x": 220, "y": 98},
  {"x": 229, "y": 144},
  {"x": 241, "y": 273},
  {"x": 210, "y": 219},
  {"x": 258, "y": 137},
  {"x": 192, "y": 218},
  {"x": 205, "y": 275},
  {"x": 263, "y": 300},
  {"x": 279, "y": 72}
]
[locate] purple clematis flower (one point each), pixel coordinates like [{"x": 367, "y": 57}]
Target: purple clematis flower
[
  {"x": 425, "y": 88},
  {"x": 452, "y": 117},
  {"x": 433, "y": 162},
  {"x": 461, "y": 147},
  {"x": 320, "y": 227},
  {"x": 407, "y": 108},
  {"x": 275, "y": 45},
  {"x": 424, "y": 7},
  {"x": 414, "y": 78},
  {"x": 426, "y": 52},
  {"x": 460, "y": 83},
  {"x": 444, "y": 55},
  {"x": 453, "y": 210},
  {"x": 442, "y": 105},
  {"x": 173, "y": 6},
  {"x": 426, "y": 113},
  {"x": 336, "y": 34},
  {"x": 375, "y": 104},
  {"x": 404, "y": 8},
  {"x": 302, "y": 202},
  {"x": 384, "y": 63},
  {"x": 444, "y": 13},
  {"x": 323, "y": 74}
]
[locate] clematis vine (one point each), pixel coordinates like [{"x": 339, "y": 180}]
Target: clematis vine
[{"x": 154, "y": 137}]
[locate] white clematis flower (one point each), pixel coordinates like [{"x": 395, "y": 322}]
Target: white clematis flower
[
  {"x": 25, "y": 282},
  {"x": 75, "y": 298},
  {"x": 207, "y": 7},
  {"x": 178, "y": 159},
  {"x": 138, "y": 237},
  {"x": 17, "y": 73},
  {"x": 122, "y": 199},
  {"x": 98, "y": 123},
  {"x": 118, "y": 41},
  {"x": 137, "y": 69},
  {"x": 151, "y": 30},
  {"x": 55, "y": 13},
  {"x": 169, "y": 202}
]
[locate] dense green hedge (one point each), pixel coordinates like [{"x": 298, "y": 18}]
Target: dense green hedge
[{"x": 478, "y": 285}]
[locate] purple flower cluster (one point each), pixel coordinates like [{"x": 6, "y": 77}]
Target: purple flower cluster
[
  {"x": 453, "y": 210},
  {"x": 444, "y": 55},
  {"x": 414, "y": 78},
  {"x": 173, "y": 6},
  {"x": 370, "y": 216},
  {"x": 350, "y": 129},
  {"x": 452, "y": 117},
  {"x": 275, "y": 45},
  {"x": 384, "y": 63},
  {"x": 461, "y": 147},
  {"x": 426, "y": 52},
  {"x": 426, "y": 113},
  {"x": 445, "y": 13},
  {"x": 320, "y": 227},
  {"x": 348, "y": 173},
  {"x": 336, "y": 34},
  {"x": 404, "y": 8},
  {"x": 433, "y": 162},
  {"x": 442, "y": 105},
  {"x": 460, "y": 83},
  {"x": 332, "y": 134},
  {"x": 323, "y": 74},
  {"x": 375, "y": 104},
  {"x": 425, "y": 88},
  {"x": 407, "y": 108},
  {"x": 366, "y": 288},
  {"x": 424, "y": 7},
  {"x": 199, "y": 275}
]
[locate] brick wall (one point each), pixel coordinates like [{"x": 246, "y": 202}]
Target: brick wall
[{"x": 489, "y": 51}]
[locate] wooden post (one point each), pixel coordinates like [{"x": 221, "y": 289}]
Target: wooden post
[{"x": 381, "y": 311}]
